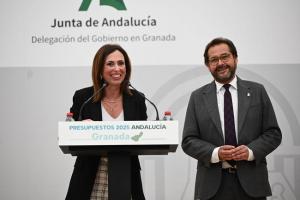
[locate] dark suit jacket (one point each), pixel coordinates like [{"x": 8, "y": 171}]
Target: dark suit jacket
[
  {"x": 257, "y": 128},
  {"x": 85, "y": 168}
]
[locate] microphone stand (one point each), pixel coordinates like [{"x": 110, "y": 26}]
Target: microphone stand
[
  {"x": 141, "y": 94},
  {"x": 84, "y": 103}
]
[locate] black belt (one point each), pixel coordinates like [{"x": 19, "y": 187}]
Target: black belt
[{"x": 229, "y": 170}]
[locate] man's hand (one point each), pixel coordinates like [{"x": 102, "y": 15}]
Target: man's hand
[
  {"x": 240, "y": 153},
  {"x": 225, "y": 152},
  {"x": 228, "y": 152}
]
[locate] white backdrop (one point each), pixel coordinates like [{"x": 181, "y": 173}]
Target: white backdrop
[
  {"x": 265, "y": 31},
  {"x": 37, "y": 82}
]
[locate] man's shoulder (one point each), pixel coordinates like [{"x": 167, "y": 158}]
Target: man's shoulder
[
  {"x": 204, "y": 89},
  {"x": 250, "y": 84}
]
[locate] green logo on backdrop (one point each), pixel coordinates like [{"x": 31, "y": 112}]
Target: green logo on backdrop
[{"x": 117, "y": 4}]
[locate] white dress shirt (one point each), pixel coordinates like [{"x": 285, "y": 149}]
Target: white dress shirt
[{"x": 220, "y": 90}]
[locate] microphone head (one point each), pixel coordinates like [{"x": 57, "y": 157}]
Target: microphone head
[
  {"x": 129, "y": 84},
  {"x": 102, "y": 80},
  {"x": 103, "y": 83}
]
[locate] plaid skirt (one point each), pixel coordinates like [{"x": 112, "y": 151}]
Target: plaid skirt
[{"x": 100, "y": 189}]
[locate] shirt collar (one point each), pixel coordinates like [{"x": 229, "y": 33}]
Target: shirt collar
[{"x": 233, "y": 83}]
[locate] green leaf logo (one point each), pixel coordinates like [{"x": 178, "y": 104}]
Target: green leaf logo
[
  {"x": 137, "y": 137},
  {"x": 117, "y": 4}
]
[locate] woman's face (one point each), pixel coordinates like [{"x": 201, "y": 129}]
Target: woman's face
[{"x": 114, "y": 69}]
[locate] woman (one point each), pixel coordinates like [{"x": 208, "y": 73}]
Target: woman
[{"x": 116, "y": 101}]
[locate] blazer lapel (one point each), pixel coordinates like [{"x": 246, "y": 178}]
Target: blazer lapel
[
  {"x": 210, "y": 99},
  {"x": 128, "y": 107},
  {"x": 244, "y": 98},
  {"x": 95, "y": 110}
]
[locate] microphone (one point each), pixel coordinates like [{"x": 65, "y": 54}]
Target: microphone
[
  {"x": 141, "y": 94},
  {"x": 84, "y": 103}
]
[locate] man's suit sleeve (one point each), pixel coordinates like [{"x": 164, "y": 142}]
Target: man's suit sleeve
[
  {"x": 192, "y": 144},
  {"x": 270, "y": 137}
]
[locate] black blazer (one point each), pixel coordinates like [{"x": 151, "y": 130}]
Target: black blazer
[{"x": 85, "y": 168}]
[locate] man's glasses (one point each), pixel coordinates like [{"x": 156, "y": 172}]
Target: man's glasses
[{"x": 224, "y": 58}]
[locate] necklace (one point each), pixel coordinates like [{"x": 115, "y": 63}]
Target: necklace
[
  {"x": 112, "y": 100},
  {"x": 107, "y": 105},
  {"x": 111, "y": 105}
]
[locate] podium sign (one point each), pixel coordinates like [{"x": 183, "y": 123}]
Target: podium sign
[{"x": 136, "y": 137}]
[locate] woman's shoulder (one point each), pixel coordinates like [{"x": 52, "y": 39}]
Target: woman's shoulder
[
  {"x": 134, "y": 94},
  {"x": 85, "y": 91},
  {"x": 83, "y": 94}
]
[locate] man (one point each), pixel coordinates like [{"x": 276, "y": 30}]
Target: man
[{"x": 230, "y": 128}]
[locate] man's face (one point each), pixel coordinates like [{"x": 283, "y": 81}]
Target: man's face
[{"x": 221, "y": 63}]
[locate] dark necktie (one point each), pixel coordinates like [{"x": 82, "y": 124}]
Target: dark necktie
[{"x": 230, "y": 137}]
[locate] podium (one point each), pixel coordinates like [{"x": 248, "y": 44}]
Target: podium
[
  {"x": 119, "y": 140},
  {"x": 136, "y": 137}
]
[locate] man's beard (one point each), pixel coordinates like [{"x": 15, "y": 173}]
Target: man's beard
[{"x": 229, "y": 76}]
